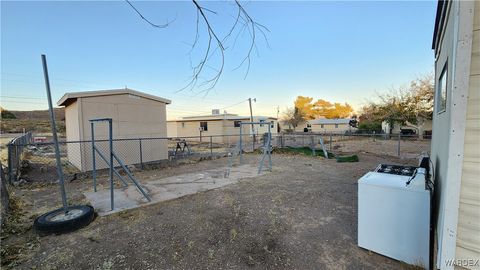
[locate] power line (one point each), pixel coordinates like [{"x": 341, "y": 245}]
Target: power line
[{"x": 19, "y": 97}]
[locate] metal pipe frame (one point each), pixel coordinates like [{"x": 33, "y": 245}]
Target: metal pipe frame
[
  {"x": 125, "y": 184},
  {"x": 113, "y": 156},
  {"x": 110, "y": 144}
]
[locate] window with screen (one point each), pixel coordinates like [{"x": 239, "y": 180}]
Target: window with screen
[
  {"x": 236, "y": 123},
  {"x": 204, "y": 126},
  {"x": 441, "y": 94}
]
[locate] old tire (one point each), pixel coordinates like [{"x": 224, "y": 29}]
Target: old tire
[{"x": 59, "y": 221}]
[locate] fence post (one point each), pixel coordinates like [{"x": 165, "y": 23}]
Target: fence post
[
  {"x": 10, "y": 163},
  {"x": 141, "y": 152},
  {"x": 330, "y": 142},
  {"x": 211, "y": 146},
  {"x": 373, "y": 135},
  {"x": 398, "y": 146},
  {"x": 94, "y": 169}
]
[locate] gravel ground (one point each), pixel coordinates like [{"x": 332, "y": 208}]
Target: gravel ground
[{"x": 303, "y": 215}]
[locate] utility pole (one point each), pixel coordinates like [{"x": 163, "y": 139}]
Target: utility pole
[{"x": 251, "y": 120}]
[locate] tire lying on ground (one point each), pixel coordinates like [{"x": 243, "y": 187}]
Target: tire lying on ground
[{"x": 59, "y": 221}]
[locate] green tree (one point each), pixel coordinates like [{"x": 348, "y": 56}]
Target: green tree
[{"x": 7, "y": 114}]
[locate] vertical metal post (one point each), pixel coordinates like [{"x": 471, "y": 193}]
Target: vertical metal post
[
  {"x": 251, "y": 120},
  {"x": 374, "y": 135},
  {"x": 110, "y": 142},
  {"x": 330, "y": 147},
  {"x": 10, "y": 163},
  {"x": 269, "y": 147},
  {"x": 141, "y": 152},
  {"x": 240, "y": 144},
  {"x": 94, "y": 169},
  {"x": 398, "y": 146},
  {"x": 211, "y": 146},
  {"x": 54, "y": 133}
]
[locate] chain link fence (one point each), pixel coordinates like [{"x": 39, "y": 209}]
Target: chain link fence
[
  {"x": 35, "y": 162},
  {"x": 16, "y": 150}
]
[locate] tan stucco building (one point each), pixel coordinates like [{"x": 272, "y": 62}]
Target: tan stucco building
[
  {"x": 455, "y": 150},
  {"x": 423, "y": 128},
  {"x": 323, "y": 125},
  {"x": 135, "y": 115},
  {"x": 219, "y": 125}
]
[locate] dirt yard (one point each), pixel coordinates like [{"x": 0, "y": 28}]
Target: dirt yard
[{"x": 303, "y": 215}]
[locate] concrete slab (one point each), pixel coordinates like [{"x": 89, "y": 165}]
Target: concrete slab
[{"x": 167, "y": 188}]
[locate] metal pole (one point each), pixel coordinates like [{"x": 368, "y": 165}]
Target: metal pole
[
  {"x": 398, "y": 146},
  {"x": 94, "y": 169},
  {"x": 330, "y": 142},
  {"x": 269, "y": 147},
  {"x": 110, "y": 142},
  {"x": 211, "y": 146},
  {"x": 54, "y": 133},
  {"x": 240, "y": 144},
  {"x": 10, "y": 163},
  {"x": 251, "y": 120},
  {"x": 125, "y": 184},
  {"x": 141, "y": 152},
  {"x": 131, "y": 177}
]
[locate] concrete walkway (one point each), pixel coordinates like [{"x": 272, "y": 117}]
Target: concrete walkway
[{"x": 168, "y": 188}]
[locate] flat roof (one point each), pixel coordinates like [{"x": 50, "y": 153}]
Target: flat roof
[
  {"x": 68, "y": 97},
  {"x": 329, "y": 121},
  {"x": 219, "y": 117}
]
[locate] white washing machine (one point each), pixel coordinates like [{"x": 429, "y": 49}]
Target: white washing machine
[{"x": 394, "y": 213}]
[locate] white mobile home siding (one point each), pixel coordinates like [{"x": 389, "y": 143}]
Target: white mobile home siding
[{"x": 468, "y": 228}]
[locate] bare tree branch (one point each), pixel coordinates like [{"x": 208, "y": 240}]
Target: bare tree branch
[
  {"x": 147, "y": 20},
  {"x": 215, "y": 45}
]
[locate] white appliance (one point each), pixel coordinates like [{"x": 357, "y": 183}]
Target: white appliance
[{"x": 394, "y": 213}]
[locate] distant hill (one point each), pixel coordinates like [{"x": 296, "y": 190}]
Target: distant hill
[
  {"x": 35, "y": 121},
  {"x": 40, "y": 114}
]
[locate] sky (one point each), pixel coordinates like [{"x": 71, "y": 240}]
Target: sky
[{"x": 337, "y": 51}]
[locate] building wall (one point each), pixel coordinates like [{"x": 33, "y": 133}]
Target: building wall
[
  {"x": 468, "y": 228},
  {"x": 133, "y": 117},
  {"x": 218, "y": 127},
  {"x": 171, "y": 129},
  {"x": 326, "y": 128},
  {"x": 73, "y": 134},
  {"x": 441, "y": 131},
  {"x": 453, "y": 144}
]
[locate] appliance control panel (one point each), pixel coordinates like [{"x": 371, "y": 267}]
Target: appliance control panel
[{"x": 396, "y": 169}]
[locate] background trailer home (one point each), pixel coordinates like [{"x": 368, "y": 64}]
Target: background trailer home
[
  {"x": 134, "y": 114},
  {"x": 337, "y": 125},
  {"x": 219, "y": 124},
  {"x": 455, "y": 146}
]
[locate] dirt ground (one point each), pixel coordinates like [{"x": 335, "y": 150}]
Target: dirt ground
[{"x": 302, "y": 215}]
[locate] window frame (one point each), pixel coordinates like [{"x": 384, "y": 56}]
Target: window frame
[
  {"x": 440, "y": 106},
  {"x": 237, "y": 124},
  {"x": 204, "y": 127}
]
